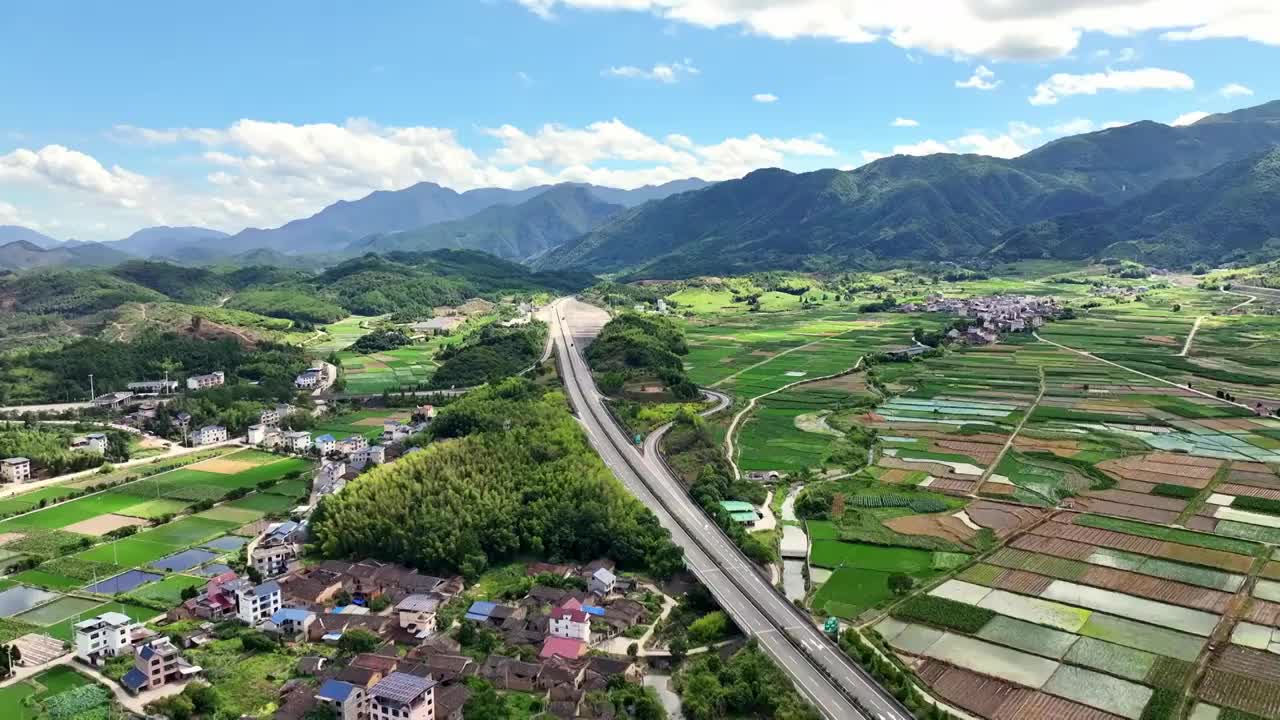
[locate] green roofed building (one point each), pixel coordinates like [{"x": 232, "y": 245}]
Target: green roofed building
[{"x": 741, "y": 512}]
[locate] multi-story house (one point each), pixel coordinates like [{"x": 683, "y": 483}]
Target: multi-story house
[
  {"x": 351, "y": 445},
  {"x": 572, "y": 623},
  {"x": 203, "y": 382},
  {"x": 102, "y": 637},
  {"x": 297, "y": 441},
  {"x": 275, "y": 552},
  {"x": 401, "y": 696},
  {"x": 372, "y": 455},
  {"x": 257, "y": 434},
  {"x": 348, "y": 701},
  {"x": 309, "y": 378},
  {"x": 93, "y": 442},
  {"x": 16, "y": 469},
  {"x": 257, "y": 603},
  {"x": 325, "y": 444},
  {"x": 155, "y": 663},
  {"x": 418, "y": 614},
  {"x": 208, "y": 435},
  {"x": 154, "y": 386}
]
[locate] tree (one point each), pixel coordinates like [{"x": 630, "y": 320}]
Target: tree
[
  {"x": 678, "y": 648},
  {"x": 189, "y": 592},
  {"x": 900, "y": 584},
  {"x": 633, "y": 650},
  {"x": 484, "y": 702},
  {"x": 358, "y": 641}
]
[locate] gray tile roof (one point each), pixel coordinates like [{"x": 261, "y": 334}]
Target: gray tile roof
[{"x": 401, "y": 687}]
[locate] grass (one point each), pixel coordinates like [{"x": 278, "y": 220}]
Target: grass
[
  {"x": 247, "y": 683},
  {"x": 834, "y": 554},
  {"x": 943, "y": 613},
  {"x": 168, "y": 590},
  {"x": 851, "y": 591}
]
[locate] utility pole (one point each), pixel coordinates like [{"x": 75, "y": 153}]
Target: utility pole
[{"x": 92, "y": 395}]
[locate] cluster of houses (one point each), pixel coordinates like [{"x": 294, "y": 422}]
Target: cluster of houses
[
  {"x": 156, "y": 660},
  {"x": 991, "y": 315}
]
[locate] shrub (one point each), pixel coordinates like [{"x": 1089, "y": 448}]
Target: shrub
[
  {"x": 1174, "y": 491},
  {"x": 1257, "y": 504},
  {"x": 943, "y": 613},
  {"x": 1163, "y": 705}
]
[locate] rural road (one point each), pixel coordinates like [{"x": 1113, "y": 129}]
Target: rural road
[{"x": 820, "y": 670}]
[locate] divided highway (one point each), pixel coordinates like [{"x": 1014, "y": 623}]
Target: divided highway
[{"x": 820, "y": 670}]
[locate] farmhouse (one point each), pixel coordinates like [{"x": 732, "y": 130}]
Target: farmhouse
[
  {"x": 275, "y": 552},
  {"x": 154, "y": 387},
  {"x": 93, "y": 442},
  {"x": 112, "y": 400},
  {"x": 256, "y": 603},
  {"x": 203, "y": 382},
  {"x": 373, "y": 454},
  {"x": 105, "y": 636},
  {"x": 297, "y": 441},
  {"x": 157, "y": 663},
  {"x": 347, "y": 701},
  {"x": 208, "y": 435},
  {"x": 309, "y": 378},
  {"x": 326, "y": 444},
  {"x": 16, "y": 469},
  {"x": 355, "y": 443},
  {"x": 418, "y": 614},
  {"x": 572, "y": 623},
  {"x": 216, "y": 602},
  {"x": 401, "y": 696},
  {"x": 257, "y": 434},
  {"x": 602, "y": 581},
  {"x": 290, "y": 623}
]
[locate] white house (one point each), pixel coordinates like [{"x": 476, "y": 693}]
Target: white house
[
  {"x": 202, "y": 382},
  {"x": 105, "y": 636},
  {"x": 571, "y": 623},
  {"x": 16, "y": 469},
  {"x": 348, "y": 701},
  {"x": 276, "y": 551},
  {"x": 257, "y": 603},
  {"x": 326, "y": 444},
  {"x": 208, "y": 435},
  {"x": 309, "y": 378},
  {"x": 353, "y": 444},
  {"x": 93, "y": 442},
  {"x": 602, "y": 582},
  {"x": 375, "y": 454},
  {"x": 270, "y": 416},
  {"x": 418, "y": 614},
  {"x": 297, "y": 441},
  {"x": 257, "y": 434}
]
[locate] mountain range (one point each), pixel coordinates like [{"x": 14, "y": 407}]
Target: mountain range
[{"x": 1101, "y": 188}]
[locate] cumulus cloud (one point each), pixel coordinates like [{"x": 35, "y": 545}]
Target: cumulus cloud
[
  {"x": 982, "y": 79},
  {"x": 1016, "y": 139},
  {"x": 265, "y": 173},
  {"x": 1235, "y": 90},
  {"x": 1189, "y": 118},
  {"x": 1073, "y": 127},
  {"x": 663, "y": 72},
  {"x": 1123, "y": 55},
  {"x": 997, "y": 29},
  {"x": 10, "y": 215},
  {"x": 1060, "y": 85},
  {"x": 904, "y": 122},
  {"x": 61, "y": 167},
  {"x": 765, "y": 98}
]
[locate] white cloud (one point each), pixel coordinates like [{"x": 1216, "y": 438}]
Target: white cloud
[
  {"x": 1114, "y": 124},
  {"x": 525, "y": 78},
  {"x": 1123, "y": 55},
  {"x": 1060, "y": 85},
  {"x": 982, "y": 79},
  {"x": 266, "y": 173},
  {"x": 60, "y": 167},
  {"x": 1016, "y": 139},
  {"x": 1189, "y": 118},
  {"x": 997, "y": 29},
  {"x": 765, "y": 98},
  {"x": 904, "y": 122},
  {"x": 1235, "y": 90},
  {"x": 10, "y": 215},
  {"x": 870, "y": 156},
  {"x": 662, "y": 72}
]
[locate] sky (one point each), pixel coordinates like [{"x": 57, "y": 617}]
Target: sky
[{"x": 118, "y": 116}]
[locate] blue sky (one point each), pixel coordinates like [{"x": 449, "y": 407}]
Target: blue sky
[{"x": 119, "y": 116}]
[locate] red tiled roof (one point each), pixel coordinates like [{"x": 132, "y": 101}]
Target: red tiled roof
[
  {"x": 571, "y": 603},
  {"x": 563, "y": 613},
  {"x": 564, "y": 647}
]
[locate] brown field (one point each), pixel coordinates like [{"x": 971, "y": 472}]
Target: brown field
[
  {"x": 10, "y": 537},
  {"x": 1124, "y": 510},
  {"x": 1271, "y": 570},
  {"x": 1244, "y": 679},
  {"x": 1180, "y": 459},
  {"x": 1140, "y": 499},
  {"x": 1235, "y": 489},
  {"x": 894, "y": 476},
  {"x": 854, "y": 382},
  {"x": 1031, "y": 705},
  {"x": 1262, "y": 612},
  {"x": 1202, "y": 524},
  {"x": 1256, "y": 479},
  {"x": 1000, "y": 700},
  {"x": 103, "y": 524},
  {"x": 984, "y": 453},
  {"x": 934, "y": 469},
  {"x": 1056, "y": 547},
  {"x": 1136, "y": 486},
  {"x": 1022, "y": 582},
  {"x": 1003, "y": 519},
  {"x": 936, "y": 525},
  {"x": 952, "y": 487},
  {"x": 991, "y": 488},
  {"x": 1228, "y": 424},
  {"x": 223, "y": 467},
  {"x": 1156, "y": 468},
  {"x": 1145, "y": 546}
]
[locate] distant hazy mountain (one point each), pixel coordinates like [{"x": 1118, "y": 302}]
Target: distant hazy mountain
[
  {"x": 513, "y": 232},
  {"x": 23, "y": 255},
  {"x": 14, "y": 233},
  {"x": 414, "y": 207},
  {"x": 1234, "y": 208},
  {"x": 927, "y": 208},
  {"x": 163, "y": 240}
]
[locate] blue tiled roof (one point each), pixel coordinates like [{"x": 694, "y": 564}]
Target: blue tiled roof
[
  {"x": 593, "y": 610},
  {"x": 483, "y": 608},
  {"x": 134, "y": 679},
  {"x": 335, "y": 690},
  {"x": 267, "y": 588},
  {"x": 284, "y": 615},
  {"x": 326, "y": 438}
]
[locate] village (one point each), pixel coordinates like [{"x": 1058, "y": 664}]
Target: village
[{"x": 989, "y": 316}]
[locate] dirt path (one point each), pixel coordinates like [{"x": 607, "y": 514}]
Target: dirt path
[
  {"x": 733, "y": 425},
  {"x": 1161, "y": 380},
  {"x": 1195, "y": 327},
  {"x": 1009, "y": 443}
]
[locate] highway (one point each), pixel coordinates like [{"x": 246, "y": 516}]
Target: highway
[{"x": 820, "y": 670}]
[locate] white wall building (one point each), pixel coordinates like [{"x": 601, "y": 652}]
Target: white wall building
[
  {"x": 202, "y": 382},
  {"x": 208, "y": 435},
  {"x": 297, "y": 441},
  {"x": 257, "y": 603},
  {"x": 16, "y": 469},
  {"x": 353, "y": 444},
  {"x": 326, "y": 444},
  {"x": 93, "y": 442},
  {"x": 570, "y": 623},
  {"x": 105, "y": 636},
  {"x": 401, "y": 696},
  {"x": 418, "y": 614},
  {"x": 257, "y": 434}
]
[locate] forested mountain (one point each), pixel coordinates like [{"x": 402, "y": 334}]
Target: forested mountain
[
  {"x": 515, "y": 232},
  {"x": 423, "y": 204},
  {"x": 24, "y": 254},
  {"x": 1227, "y": 212},
  {"x": 930, "y": 208},
  {"x": 15, "y": 233}
]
